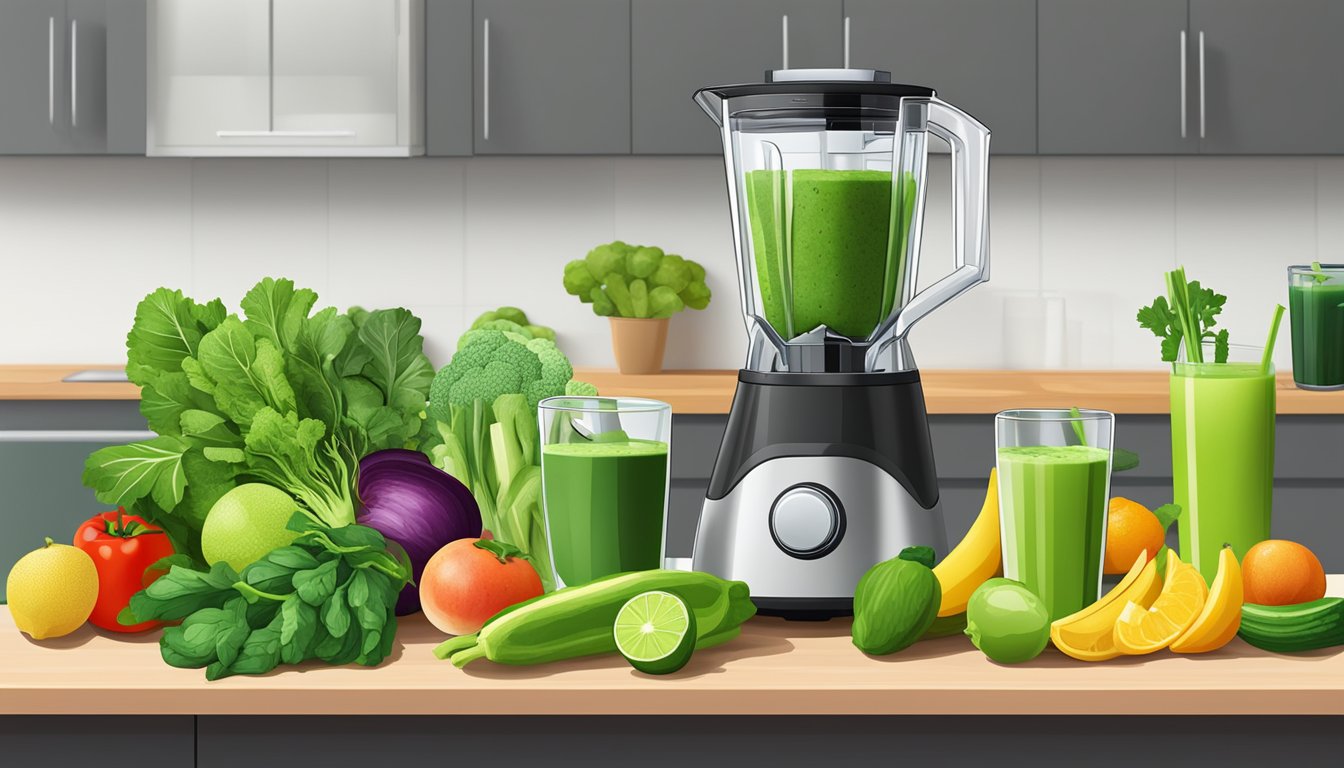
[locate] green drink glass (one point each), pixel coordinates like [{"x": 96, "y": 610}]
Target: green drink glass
[
  {"x": 1316, "y": 313},
  {"x": 604, "y": 469},
  {"x": 1222, "y": 454},
  {"x": 1054, "y": 469}
]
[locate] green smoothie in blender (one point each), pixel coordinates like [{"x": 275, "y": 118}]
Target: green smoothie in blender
[{"x": 822, "y": 250}]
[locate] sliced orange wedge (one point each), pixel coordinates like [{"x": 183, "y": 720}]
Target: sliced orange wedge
[
  {"x": 1089, "y": 635},
  {"x": 1140, "y": 630},
  {"x": 1217, "y": 624}
]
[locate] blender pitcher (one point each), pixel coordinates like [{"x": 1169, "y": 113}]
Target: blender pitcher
[
  {"x": 826, "y": 185},
  {"x": 826, "y": 465}
]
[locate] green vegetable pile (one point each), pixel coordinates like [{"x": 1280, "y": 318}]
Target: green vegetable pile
[
  {"x": 623, "y": 280},
  {"x": 484, "y": 407},
  {"x": 281, "y": 396},
  {"x": 329, "y": 596},
  {"x": 512, "y": 320},
  {"x": 1189, "y": 311}
]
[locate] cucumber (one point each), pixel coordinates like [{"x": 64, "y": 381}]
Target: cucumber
[
  {"x": 1293, "y": 628},
  {"x": 577, "y": 621}
]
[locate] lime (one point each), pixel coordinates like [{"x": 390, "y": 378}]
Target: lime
[
  {"x": 1007, "y": 621},
  {"x": 655, "y": 632},
  {"x": 246, "y": 523}
]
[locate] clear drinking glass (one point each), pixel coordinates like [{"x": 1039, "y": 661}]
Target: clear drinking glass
[
  {"x": 1316, "y": 313},
  {"x": 1222, "y": 453},
  {"x": 604, "y": 469},
  {"x": 1054, "y": 470}
]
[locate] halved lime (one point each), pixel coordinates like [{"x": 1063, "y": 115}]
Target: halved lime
[{"x": 655, "y": 632}]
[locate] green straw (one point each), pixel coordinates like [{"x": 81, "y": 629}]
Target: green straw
[{"x": 1273, "y": 337}]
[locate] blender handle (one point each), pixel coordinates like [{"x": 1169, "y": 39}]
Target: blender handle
[{"x": 970, "y": 212}]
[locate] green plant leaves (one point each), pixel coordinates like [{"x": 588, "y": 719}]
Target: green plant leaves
[
  {"x": 168, "y": 328},
  {"x": 276, "y": 311},
  {"x": 122, "y": 474},
  {"x": 397, "y": 365},
  {"x": 248, "y": 374}
]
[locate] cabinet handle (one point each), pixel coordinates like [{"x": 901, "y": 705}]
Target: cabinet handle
[
  {"x": 846, "y": 42},
  {"x": 1183, "y": 79},
  {"x": 485, "y": 79},
  {"x": 73, "y": 435},
  {"x": 74, "y": 73},
  {"x": 784, "y": 32},
  {"x": 51, "y": 71},
  {"x": 1201, "y": 84},
  {"x": 284, "y": 134}
]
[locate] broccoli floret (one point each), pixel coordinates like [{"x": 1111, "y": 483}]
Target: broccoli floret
[
  {"x": 672, "y": 272},
  {"x": 513, "y": 320},
  {"x": 488, "y": 364},
  {"x": 580, "y": 389},
  {"x": 556, "y": 372},
  {"x": 579, "y": 281},
  {"x": 500, "y": 324},
  {"x": 643, "y": 261},
  {"x": 696, "y": 295},
  {"x": 541, "y": 332},
  {"x": 607, "y": 260}
]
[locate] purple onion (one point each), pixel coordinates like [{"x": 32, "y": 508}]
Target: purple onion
[{"x": 417, "y": 505}]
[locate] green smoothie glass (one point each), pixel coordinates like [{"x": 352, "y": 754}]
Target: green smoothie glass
[
  {"x": 1222, "y": 453},
  {"x": 604, "y": 468},
  {"x": 1316, "y": 309},
  {"x": 1054, "y": 470}
]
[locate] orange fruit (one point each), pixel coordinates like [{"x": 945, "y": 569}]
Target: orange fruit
[
  {"x": 1279, "y": 572},
  {"x": 1142, "y": 630},
  {"x": 1131, "y": 528}
]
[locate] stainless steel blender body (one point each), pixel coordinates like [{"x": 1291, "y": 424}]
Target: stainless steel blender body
[{"x": 826, "y": 466}]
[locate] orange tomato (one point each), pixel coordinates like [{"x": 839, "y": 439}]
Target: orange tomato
[
  {"x": 469, "y": 580},
  {"x": 1280, "y": 572},
  {"x": 1130, "y": 528}
]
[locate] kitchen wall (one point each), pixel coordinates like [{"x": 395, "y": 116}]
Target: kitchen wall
[{"x": 1078, "y": 245}]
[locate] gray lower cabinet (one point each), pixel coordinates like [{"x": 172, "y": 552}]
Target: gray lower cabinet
[
  {"x": 977, "y": 54},
  {"x": 448, "y": 62},
  {"x": 552, "y": 78},
  {"x": 1269, "y": 77},
  {"x": 72, "y": 77},
  {"x": 1308, "y": 481},
  {"x": 1111, "y": 78},
  {"x": 678, "y": 46}
]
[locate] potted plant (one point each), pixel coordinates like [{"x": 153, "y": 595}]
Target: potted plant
[{"x": 637, "y": 288}]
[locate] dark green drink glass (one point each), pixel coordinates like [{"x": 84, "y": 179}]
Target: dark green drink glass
[{"x": 1316, "y": 313}]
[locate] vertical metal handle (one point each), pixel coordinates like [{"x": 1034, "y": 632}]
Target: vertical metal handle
[
  {"x": 1184, "y": 77},
  {"x": 485, "y": 80},
  {"x": 1201, "y": 84},
  {"x": 51, "y": 71},
  {"x": 784, "y": 32},
  {"x": 846, "y": 42},
  {"x": 74, "y": 73}
]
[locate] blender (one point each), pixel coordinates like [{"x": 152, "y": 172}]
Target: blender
[{"x": 826, "y": 466}]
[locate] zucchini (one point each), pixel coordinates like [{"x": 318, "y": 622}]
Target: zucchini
[
  {"x": 577, "y": 621},
  {"x": 1293, "y": 628}
]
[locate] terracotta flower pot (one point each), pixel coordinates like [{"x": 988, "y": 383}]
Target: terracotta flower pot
[{"x": 638, "y": 343}]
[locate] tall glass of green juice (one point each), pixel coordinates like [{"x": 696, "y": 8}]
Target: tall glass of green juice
[
  {"x": 1316, "y": 312},
  {"x": 1222, "y": 454},
  {"x": 1054, "y": 469},
  {"x": 604, "y": 468}
]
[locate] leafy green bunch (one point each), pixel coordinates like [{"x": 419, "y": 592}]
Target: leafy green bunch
[
  {"x": 1189, "y": 311},
  {"x": 512, "y": 320},
  {"x": 484, "y": 404},
  {"x": 330, "y": 595},
  {"x": 636, "y": 281},
  {"x": 281, "y": 396}
]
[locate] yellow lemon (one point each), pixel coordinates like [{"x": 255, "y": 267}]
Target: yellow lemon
[
  {"x": 1089, "y": 635},
  {"x": 1217, "y": 624},
  {"x": 51, "y": 591},
  {"x": 1141, "y": 630}
]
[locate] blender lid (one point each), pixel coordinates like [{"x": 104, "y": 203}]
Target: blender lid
[{"x": 873, "y": 82}]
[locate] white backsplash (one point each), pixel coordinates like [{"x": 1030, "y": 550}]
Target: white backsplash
[{"x": 83, "y": 239}]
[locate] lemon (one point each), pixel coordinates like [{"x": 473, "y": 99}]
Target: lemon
[
  {"x": 246, "y": 523},
  {"x": 52, "y": 590},
  {"x": 1217, "y": 624},
  {"x": 1141, "y": 630}
]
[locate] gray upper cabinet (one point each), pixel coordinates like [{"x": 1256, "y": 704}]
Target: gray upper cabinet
[
  {"x": 678, "y": 46},
  {"x": 448, "y": 65},
  {"x": 552, "y": 78},
  {"x": 977, "y": 54},
  {"x": 72, "y": 77},
  {"x": 1111, "y": 78},
  {"x": 1271, "y": 76}
]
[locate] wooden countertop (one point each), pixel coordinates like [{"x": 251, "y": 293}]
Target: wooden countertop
[
  {"x": 775, "y": 667},
  {"x": 711, "y": 392}
]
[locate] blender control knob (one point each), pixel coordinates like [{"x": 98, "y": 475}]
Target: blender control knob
[{"x": 807, "y": 521}]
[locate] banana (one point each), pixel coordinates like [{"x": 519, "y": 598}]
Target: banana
[
  {"x": 975, "y": 559},
  {"x": 1217, "y": 623}
]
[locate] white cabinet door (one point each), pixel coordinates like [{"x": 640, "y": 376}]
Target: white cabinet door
[
  {"x": 336, "y": 70},
  {"x": 210, "y": 70}
]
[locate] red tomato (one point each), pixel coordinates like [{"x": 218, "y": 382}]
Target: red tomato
[
  {"x": 122, "y": 547},
  {"x": 470, "y": 580}
]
